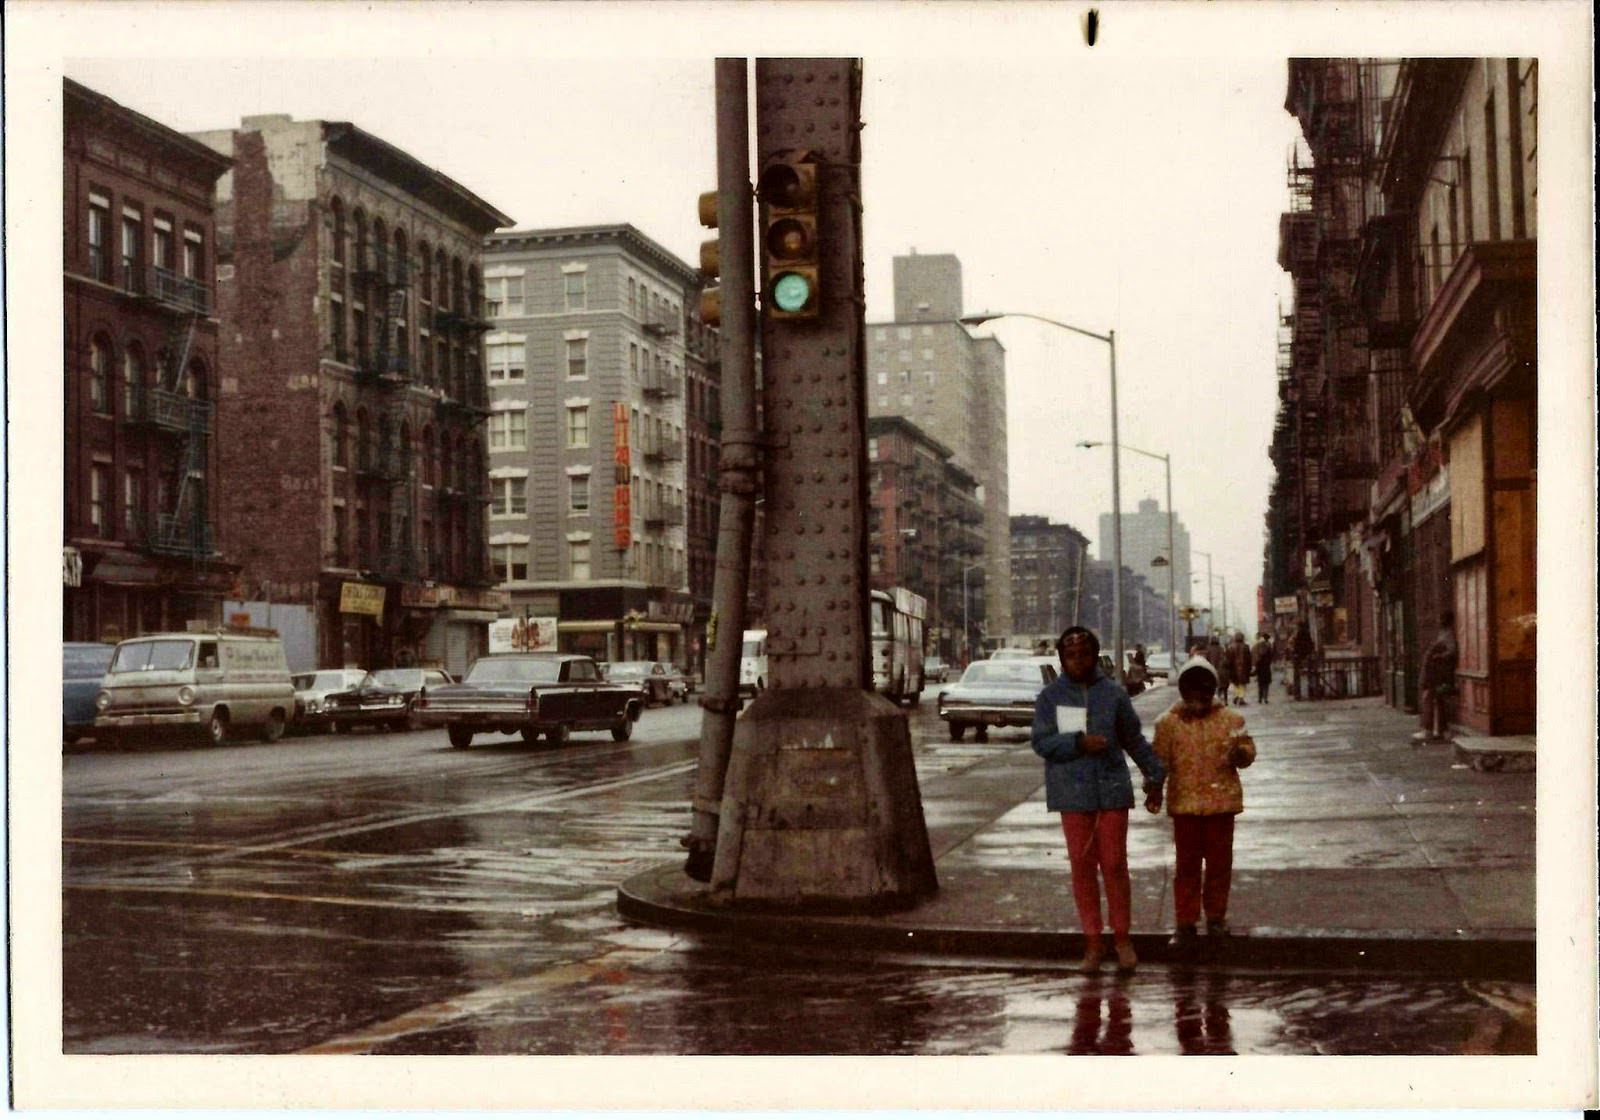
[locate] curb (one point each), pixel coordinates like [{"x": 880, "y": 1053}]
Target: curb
[{"x": 666, "y": 897}]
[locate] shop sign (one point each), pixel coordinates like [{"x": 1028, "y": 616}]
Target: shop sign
[
  {"x": 657, "y": 611},
  {"x": 474, "y": 599},
  {"x": 71, "y": 567},
  {"x": 1285, "y": 604},
  {"x": 361, "y": 598},
  {"x": 522, "y": 635},
  {"x": 413, "y": 595}
]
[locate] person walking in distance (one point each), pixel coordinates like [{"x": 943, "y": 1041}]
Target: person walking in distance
[
  {"x": 1438, "y": 681},
  {"x": 1085, "y": 728},
  {"x": 1262, "y": 656},
  {"x": 1215, "y": 657},
  {"x": 1203, "y": 746},
  {"x": 1239, "y": 666}
]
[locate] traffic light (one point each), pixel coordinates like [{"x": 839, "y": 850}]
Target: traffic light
[
  {"x": 788, "y": 190},
  {"x": 710, "y": 263}
]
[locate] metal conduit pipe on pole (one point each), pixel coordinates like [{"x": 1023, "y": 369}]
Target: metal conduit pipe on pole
[{"x": 740, "y": 463}]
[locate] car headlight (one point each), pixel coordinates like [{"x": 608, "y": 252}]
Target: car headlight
[
  {"x": 314, "y": 706},
  {"x": 186, "y": 695},
  {"x": 102, "y": 701}
]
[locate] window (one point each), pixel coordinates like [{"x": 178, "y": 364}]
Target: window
[
  {"x": 578, "y": 492},
  {"x": 577, "y": 357},
  {"x": 633, "y": 359},
  {"x": 132, "y": 240},
  {"x": 510, "y": 562},
  {"x": 194, "y": 254},
  {"x": 1491, "y": 165},
  {"x": 872, "y": 447},
  {"x": 132, "y": 502},
  {"x": 577, "y": 290},
  {"x": 902, "y": 333},
  {"x": 578, "y": 426},
  {"x": 883, "y": 377},
  {"x": 132, "y": 381},
  {"x": 341, "y": 546},
  {"x": 341, "y": 437},
  {"x": 100, "y": 375},
  {"x": 100, "y": 237},
  {"x": 338, "y": 232},
  {"x": 506, "y": 360},
  {"x": 508, "y": 431},
  {"x": 161, "y": 243},
  {"x": 504, "y": 295},
  {"x": 577, "y": 559},
  {"x": 99, "y": 495},
  {"x": 510, "y": 497},
  {"x": 633, "y": 298}
]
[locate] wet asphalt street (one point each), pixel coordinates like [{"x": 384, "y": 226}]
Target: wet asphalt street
[{"x": 384, "y": 893}]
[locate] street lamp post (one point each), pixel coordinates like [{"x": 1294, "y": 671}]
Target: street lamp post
[
  {"x": 1211, "y": 601},
  {"x": 966, "y": 634},
  {"x": 1110, "y": 339},
  {"x": 1172, "y": 558}
]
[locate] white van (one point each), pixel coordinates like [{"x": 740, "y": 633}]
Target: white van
[
  {"x": 210, "y": 682},
  {"x": 753, "y": 663}
]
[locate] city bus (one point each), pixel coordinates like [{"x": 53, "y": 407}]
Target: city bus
[{"x": 898, "y": 619}]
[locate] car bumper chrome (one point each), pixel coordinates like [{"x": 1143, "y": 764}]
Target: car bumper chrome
[{"x": 993, "y": 716}]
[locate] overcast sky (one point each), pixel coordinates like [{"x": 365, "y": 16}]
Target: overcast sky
[{"x": 1114, "y": 189}]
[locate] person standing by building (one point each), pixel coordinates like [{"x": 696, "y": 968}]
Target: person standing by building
[
  {"x": 1239, "y": 666},
  {"x": 1084, "y": 727},
  {"x": 1438, "y": 681},
  {"x": 1214, "y": 655},
  {"x": 1262, "y": 656},
  {"x": 1304, "y": 648}
]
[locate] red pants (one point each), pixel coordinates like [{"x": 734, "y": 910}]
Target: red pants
[
  {"x": 1204, "y": 839},
  {"x": 1097, "y": 845}
]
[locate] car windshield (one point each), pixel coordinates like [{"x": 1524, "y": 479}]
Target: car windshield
[
  {"x": 990, "y": 672},
  {"x": 752, "y": 649},
  {"x": 514, "y": 670},
  {"x": 1011, "y": 655},
  {"x": 90, "y": 662},
  {"x": 627, "y": 670},
  {"x": 334, "y": 680},
  {"x": 303, "y": 681},
  {"x": 397, "y": 678},
  {"x": 139, "y": 657}
]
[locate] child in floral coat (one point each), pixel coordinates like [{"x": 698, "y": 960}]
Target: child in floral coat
[{"x": 1203, "y": 745}]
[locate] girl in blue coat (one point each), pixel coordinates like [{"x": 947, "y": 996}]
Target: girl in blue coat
[{"x": 1084, "y": 727}]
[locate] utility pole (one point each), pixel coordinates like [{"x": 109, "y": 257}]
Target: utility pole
[{"x": 820, "y": 804}]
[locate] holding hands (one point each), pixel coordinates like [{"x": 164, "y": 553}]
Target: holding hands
[{"x": 1093, "y": 744}]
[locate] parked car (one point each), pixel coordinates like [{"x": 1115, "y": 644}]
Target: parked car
[
  {"x": 1158, "y": 665},
  {"x": 553, "y": 694},
  {"x": 83, "y": 664},
  {"x": 311, "y": 691},
  {"x": 934, "y": 669},
  {"x": 386, "y": 698},
  {"x": 211, "y": 682},
  {"x": 659, "y": 682},
  {"x": 1012, "y": 654},
  {"x": 994, "y": 694}
]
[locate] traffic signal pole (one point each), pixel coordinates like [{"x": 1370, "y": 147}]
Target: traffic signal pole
[
  {"x": 739, "y": 469},
  {"x": 820, "y": 803}
]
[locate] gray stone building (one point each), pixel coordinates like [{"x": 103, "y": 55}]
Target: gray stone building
[
  {"x": 1144, "y": 537},
  {"x": 587, "y": 436},
  {"x": 926, "y": 367}
]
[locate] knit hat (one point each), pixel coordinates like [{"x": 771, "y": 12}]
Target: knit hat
[{"x": 1197, "y": 665}]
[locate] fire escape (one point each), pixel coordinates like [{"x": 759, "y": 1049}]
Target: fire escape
[
  {"x": 386, "y": 367},
  {"x": 463, "y": 403}
]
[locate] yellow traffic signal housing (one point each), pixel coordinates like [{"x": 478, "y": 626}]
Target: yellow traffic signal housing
[
  {"x": 788, "y": 190},
  {"x": 710, "y": 263}
]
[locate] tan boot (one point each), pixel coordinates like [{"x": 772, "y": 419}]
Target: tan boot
[
  {"x": 1127, "y": 959},
  {"x": 1094, "y": 952}
]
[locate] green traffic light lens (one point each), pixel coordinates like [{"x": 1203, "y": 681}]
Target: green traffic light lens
[{"x": 791, "y": 291}]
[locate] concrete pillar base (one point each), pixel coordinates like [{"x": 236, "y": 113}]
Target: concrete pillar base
[{"x": 821, "y": 809}]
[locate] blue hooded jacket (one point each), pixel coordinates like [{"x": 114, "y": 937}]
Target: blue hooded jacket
[{"x": 1075, "y": 782}]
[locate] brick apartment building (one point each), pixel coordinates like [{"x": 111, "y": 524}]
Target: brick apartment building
[
  {"x": 1406, "y": 434},
  {"x": 925, "y": 527},
  {"x": 1049, "y": 565},
  {"x": 141, "y": 542},
  {"x": 352, "y": 408}
]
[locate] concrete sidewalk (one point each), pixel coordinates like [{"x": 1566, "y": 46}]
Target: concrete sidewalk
[{"x": 1358, "y": 848}]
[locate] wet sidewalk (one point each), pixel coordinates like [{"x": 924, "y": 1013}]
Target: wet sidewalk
[{"x": 1358, "y": 848}]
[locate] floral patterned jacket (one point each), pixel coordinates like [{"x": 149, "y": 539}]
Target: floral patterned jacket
[{"x": 1200, "y": 779}]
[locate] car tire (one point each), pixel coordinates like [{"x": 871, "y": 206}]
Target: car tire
[
  {"x": 273, "y": 731},
  {"x": 980, "y": 734},
  {"x": 958, "y": 731},
  {"x": 412, "y": 722},
  {"x": 559, "y": 735},
  {"x": 622, "y": 730},
  {"x": 217, "y": 729},
  {"x": 459, "y": 736},
  {"x": 530, "y": 734}
]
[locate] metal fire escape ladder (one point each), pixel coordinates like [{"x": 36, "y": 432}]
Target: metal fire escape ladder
[{"x": 182, "y": 530}]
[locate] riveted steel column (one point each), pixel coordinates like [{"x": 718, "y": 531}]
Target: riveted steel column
[{"x": 821, "y": 804}]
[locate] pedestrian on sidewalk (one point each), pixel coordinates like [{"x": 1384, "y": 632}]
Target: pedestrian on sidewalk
[
  {"x": 1262, "y": 656},
  {"x": 1214, "y": 654},
  {"x": 1438, "y": 682},
  {"x": 1203, "y": 745},
  {"x": 1084, "y": 727},
  {"x": 1239, "y": 667},
  {"x": 1304, "y": 649}
]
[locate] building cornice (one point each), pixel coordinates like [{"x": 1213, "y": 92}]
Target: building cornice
[{"x": 623, "y": 235}]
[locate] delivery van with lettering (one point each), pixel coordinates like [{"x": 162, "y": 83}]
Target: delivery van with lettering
[
  {"x": 753, "y": 663},
  {"x": 212, "y": 685}
]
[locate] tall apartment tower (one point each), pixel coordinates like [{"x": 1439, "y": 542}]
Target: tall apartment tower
[
  {"x": 351, "y": 409},
  {"x": 589, "y": 438},
  {"x": 926, "y": 367},
  {"x": 141, "y": 550},
  {"x": 1144, "y": 537}
]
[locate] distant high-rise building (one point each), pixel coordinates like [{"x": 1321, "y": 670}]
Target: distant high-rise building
[
  {"x": 1048, "y": 571},
  {"x": 1144, "y": 537},
  {"x": 926, "y": 367}
]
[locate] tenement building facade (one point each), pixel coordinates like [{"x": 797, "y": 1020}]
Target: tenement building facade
[
  {"x": 353, "y": 405},
  {"x": 1406, "y": 438},
  {"x": 142, "y": 548}
]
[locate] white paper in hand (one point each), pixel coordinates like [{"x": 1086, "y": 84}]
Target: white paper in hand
[{"x": 1069, "y": 720}]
